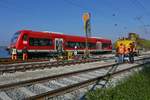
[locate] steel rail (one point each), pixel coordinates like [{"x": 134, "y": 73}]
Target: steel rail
[
  {"x": 76, "y": 86},
  {"x": 6, "y": 61},
  {"x": 48, "y": 78},
  {"x": 41, "y": 65},
  {"x": 9, "y": 61}
]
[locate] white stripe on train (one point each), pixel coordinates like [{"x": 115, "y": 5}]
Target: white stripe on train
[{"x": 63, "y": 50}]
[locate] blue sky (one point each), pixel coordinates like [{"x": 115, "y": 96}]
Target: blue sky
[{"x": 109, "y": 18}]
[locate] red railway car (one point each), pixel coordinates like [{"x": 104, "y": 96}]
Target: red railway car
[{"x": 43, "y": 43}]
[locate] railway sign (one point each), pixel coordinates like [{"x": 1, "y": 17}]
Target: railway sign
[{"x": 87, "y": 27}]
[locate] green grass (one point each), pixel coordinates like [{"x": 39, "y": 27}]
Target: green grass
[{"x": 135, "y": 87}]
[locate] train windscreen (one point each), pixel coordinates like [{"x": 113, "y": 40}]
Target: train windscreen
[{"x": 14, "y": 38}]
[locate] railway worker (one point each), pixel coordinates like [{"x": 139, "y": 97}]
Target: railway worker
[
  {"x": 133, "y": 48},
  {"x": 25, "y": 53},
  {"x": 121, "y": 51},
  {"x": 14, "y": 54},
  {"x": 126, "y": 53},
  {"x": 117, "y": 56},
  {"x": 75, "y": 52},
  {"x": 131, "y": 53}
]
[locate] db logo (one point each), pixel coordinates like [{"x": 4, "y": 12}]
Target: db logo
[{"x": 24, "y": 42}]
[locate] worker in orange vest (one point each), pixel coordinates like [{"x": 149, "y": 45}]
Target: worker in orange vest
[
  {"x": 131, "y": 53},
  {"x": 126, "y": 53},
  {"x": 121, "y": 53},
  {"x": 14, "y": 54},
  {"x": 25, "y": 53}
]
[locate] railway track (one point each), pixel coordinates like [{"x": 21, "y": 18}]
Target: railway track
[
  {"x": 9, "y": 61},
  {"x": 51, "y": 86},
  {"x": 11, "y": 68}
]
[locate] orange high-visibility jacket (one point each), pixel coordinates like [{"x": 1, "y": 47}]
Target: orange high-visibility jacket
[
  {"x": 127, "y": 50},
  {"x": 121, "y": 49}
]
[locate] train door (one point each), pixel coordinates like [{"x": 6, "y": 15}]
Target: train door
[
  {"x": 59, "y": 44},
  {"x": 99, "y": 46}
]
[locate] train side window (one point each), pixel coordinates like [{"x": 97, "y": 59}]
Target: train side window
[
  {"x": 78, "y": 44},
  {"x": 105, "y": 45},
  {"x": 45, "y": 42},
  {"x": 50, "y": 42},
  {"x": 36, "y": 42},
  {"x": 73, "y": 44},
  {"x": 92, "y": 45},
  {"x": 31, "y": 41},
  {"x": 82, "y": 44},
  {"x": 25, "y": 37},
  {"x": 40, "y": 42}
]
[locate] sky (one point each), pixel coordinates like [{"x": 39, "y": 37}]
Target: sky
[{"x": 109, "y": 18}]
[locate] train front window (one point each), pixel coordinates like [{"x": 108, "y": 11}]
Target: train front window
[
  {"x": 25, "y": 37},
  {"x": 14, "y": 38}
]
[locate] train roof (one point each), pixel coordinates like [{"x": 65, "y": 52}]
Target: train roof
[
  {"x": 60, "y": 33},
  {"x": 98, "y": 37},
  {"x": 52, "y": 32}
]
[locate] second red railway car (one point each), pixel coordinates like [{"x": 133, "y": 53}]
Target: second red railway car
[{"x": 47, "y": 43}]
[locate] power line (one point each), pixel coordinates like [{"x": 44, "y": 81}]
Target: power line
[
  {"x": 137, "y": 4},
  {"x": 142, "y": 6},
  {"x": 139, "y": 18},
  {"x": 83, "y": 8}
]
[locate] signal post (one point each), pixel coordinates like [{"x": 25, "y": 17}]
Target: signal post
[{"x": 87, "y": 30}]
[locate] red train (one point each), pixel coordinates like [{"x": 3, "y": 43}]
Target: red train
[{"x": 41, "y": 43}]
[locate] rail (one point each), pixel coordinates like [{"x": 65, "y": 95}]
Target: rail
[
  {"x": 11, "y": 68},
  {"x": 44, "y": 79},
  {"x": 76, "y": 86}
]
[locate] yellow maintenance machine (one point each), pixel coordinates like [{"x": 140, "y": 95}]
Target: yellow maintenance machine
[
  {"x": 127, "y": 43},
  {"x": 70, "y": 55},
  {"x": 67, "y": 55}
]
